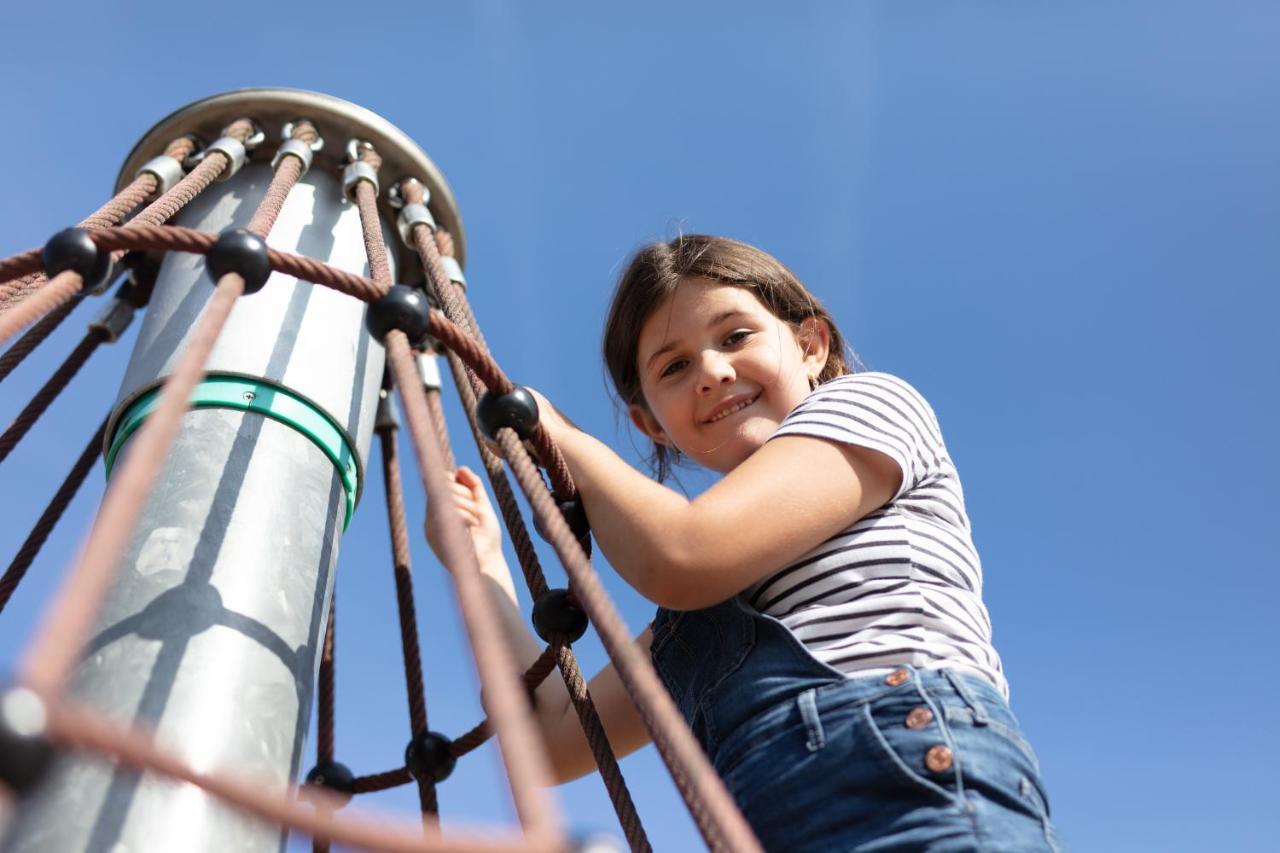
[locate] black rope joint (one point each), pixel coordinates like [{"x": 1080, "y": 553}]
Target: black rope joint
[
  {"x": 429, "y": 757},
  {"x": 575, "y": 515},
  {"x": 556, "y": 616},
  {"x": 517, "y": 410},
  {"x": 240, "y": 251},
  {"x": 405, "y": 308},
  {"x": 73, "y": 249},
  {"x": 25, "y": 750},
  {"x": 335, "y": 777}
]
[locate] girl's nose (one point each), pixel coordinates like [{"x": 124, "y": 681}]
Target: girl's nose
[{"x": 716, "y": 370}]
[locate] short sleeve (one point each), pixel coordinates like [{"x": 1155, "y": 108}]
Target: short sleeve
[{"x": 877, "y": 411}]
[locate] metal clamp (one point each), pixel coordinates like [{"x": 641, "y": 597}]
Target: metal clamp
[
  {"x": 454, "y": 270},
  {"x": 235, "y": 151},
  {"x": 411, "y": 215},
  {"x": 113, "y": 319},
  {"x": 395, "y": 196},
  {"x": 356, "y": 172},
  {"x": 386, "y": 418},
  {"x": 429, "y": 370},
  {"x": 287, "y": 133},
  {"x": 167, "y": 171},
  {"x": 298, "y": 149}
]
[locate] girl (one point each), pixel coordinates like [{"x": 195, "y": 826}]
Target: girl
[{"x": 820, "y": 622}]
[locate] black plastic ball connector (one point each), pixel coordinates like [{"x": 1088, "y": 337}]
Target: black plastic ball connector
[
  {"x": 429, "y": 758},
  {"x": 334, "y": 776},
  {"x": 240, "y": 251},
  {"x": 73, "y": 249},
  {"x": 517, "y": 410},
  {"x": 556, "y": 616},
  {"x": 575, "y": 515},
  {"x": 25, "y": 751},
  {"x": 405, "y": 308}
]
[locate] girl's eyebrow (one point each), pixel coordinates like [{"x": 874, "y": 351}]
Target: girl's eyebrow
[{"x": 714, "y": 321}]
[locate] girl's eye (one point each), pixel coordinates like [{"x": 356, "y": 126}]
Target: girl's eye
[
  {"x": 672, "y": 368},
  {"x": 736, "y": 337}
]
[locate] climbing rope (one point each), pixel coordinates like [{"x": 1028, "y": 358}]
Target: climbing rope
[{"x": 231, "y": 256}]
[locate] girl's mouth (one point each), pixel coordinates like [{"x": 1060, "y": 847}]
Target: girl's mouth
[{"x": 736, "y": 407}]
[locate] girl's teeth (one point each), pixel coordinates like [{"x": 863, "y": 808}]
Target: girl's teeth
[{"x": 736, "y": 408}]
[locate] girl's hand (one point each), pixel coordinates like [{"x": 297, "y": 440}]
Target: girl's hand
[
  {"x": 553, "y": 420},
  {"x": 471, "y": 502}
]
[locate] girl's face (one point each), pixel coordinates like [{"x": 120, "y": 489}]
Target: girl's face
[{"x": 719, "y": 372}]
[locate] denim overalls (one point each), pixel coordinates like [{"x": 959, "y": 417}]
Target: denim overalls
[{"x": 902, "y": 759}]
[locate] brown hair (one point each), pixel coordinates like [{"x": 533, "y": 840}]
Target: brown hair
[{"x": 657, "y": 270}]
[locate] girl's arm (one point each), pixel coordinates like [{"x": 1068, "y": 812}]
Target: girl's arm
[
  {"x": 781, "y": 502},
  {"x": 557, "y": 721}
]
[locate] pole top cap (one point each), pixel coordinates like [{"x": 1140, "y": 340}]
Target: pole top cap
[{"x": 335, "y": 119}]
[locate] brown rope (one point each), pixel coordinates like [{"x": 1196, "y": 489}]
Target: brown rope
[
  {"x": 371, "y": 224},
  {"x": 176, "y": 237},
  {"x": 287, "y": 174},
  {"x": 467, "y": 742},
  {"x": 58, "y": 291},
  {"x": 35, "y": 336},
  {"x": 403, "y": 572},
  {"x": 325, "y": 689},
  {"x": 59, "y": 638},
  {"x": 436, "y": 408},
  {"x": 82, "y": 729},
  {"x": 713, "y": 810},
  {"x": 49, "y": 391},
  {"x": 457, "y": 309},
  {"x": 452, "y": 301},
  {"x": 21, "y": 264},
  {"x": 527, "y": 769},
  {"x": 138, "y": 191},
  {"x": 380, "y": 272},
  {"x": 57, "y": 645},
  {"x": 194, "y": 182},
  {"x": 325, "y": 713},
  {"x": 65, "y": 285},
  {"x": 50, "y": 517}
]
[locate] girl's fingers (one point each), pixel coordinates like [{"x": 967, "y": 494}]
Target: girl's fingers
[{"x": 472, "y": 482}]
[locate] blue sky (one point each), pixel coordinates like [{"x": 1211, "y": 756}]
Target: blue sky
[{"x": 1058, "y": 222}]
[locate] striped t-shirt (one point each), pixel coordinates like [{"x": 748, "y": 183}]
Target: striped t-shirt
[{"x": 904, "y": 584}]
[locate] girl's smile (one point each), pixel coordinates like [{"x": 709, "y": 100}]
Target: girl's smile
[{"x": 719, "y": 372}]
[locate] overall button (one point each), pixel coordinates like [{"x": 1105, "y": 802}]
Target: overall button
[
  {"x": 919, "y": 718},
  {"x": 938, "y": 759},
  {"x": 896, "y": 677}
]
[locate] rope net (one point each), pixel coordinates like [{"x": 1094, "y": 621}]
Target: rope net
[{"x": 29, "y": 298}]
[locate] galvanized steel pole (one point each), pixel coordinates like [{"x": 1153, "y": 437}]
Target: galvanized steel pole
[{"x": 212, "y": 632}]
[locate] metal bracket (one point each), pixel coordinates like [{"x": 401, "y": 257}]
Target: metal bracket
[
  {"x": 233, "y": 148},
  {"x": 387, "y": 417},
  {"x": 454, "y": 270},
  {"x": 395, "y": 196},
  {"x": 167, "y": 170},
  {"x": 287, "y": 133},
  {"x": 411, "y": 216},
  {"x": 113, "y": 319},
  {"x": 298, "y": 149},
  {"x": 356, "y": 172},
  {"x": 429, "y": 370}
]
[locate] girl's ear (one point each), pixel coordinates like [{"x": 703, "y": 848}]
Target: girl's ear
[
  {"x": 648, "y": 424},
  {"x": 815, "y": 344}
]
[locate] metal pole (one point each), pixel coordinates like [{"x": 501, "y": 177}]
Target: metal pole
[{"x": 211, "y": 635}]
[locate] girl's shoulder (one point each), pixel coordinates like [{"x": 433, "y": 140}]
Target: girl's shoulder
[
  {"x": 878, "y": 411},
  {"x": 889, "y": 395}
]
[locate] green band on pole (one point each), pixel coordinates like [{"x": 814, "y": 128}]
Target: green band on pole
[{"x": 272, "y": 401}]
